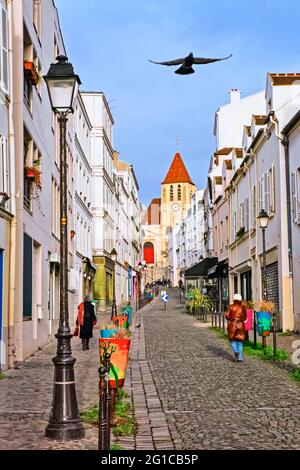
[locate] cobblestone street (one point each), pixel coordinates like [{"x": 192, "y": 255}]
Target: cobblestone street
[
  {"x": 211, "y": 402},
  {"x": 186, "y": 391}
]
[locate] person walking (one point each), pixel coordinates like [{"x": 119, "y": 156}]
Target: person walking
[
  {"x": 236, "y": 315},
  {"x": 86, "y": 319}
]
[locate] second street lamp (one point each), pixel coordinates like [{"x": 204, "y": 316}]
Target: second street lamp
[
  {"x": 64, "y": 423},
  {"x": 263, "y": 219},
  {"x": 113, "y": 256}
]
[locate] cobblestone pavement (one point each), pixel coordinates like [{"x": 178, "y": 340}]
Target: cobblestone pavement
[
  {"x": 211, "y": 402},
  {"x": 26, "y": 394}
]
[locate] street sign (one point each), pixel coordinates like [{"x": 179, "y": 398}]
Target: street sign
[
  {"x": 163, "y": 292},
  {"x": 165, "y": 297}
]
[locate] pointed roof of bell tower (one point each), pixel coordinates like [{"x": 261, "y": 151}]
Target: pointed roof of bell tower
[{"x": 177, "y": 172}]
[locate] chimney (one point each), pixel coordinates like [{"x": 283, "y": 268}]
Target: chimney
[
  {"x": 116, "y": 155},
  {"x": 235, "y": 95}
]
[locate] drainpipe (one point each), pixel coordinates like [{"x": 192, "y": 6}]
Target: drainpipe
[
  {"x": 12, "y": 270},
  {"x": 285, "y": 142}
]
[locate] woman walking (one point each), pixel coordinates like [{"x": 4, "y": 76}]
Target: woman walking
[
  {"x": 86, "y": 319},
  {"x": 236, "y": 316}
]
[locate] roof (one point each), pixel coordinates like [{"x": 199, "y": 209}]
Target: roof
[
  {"x": 279, "y": 79},
  {"x": 201, "y": 268},
  {"x": 291, "y": 124},
  {"x": 177, "y": 172},
  {"x": 239, "y": 153}
]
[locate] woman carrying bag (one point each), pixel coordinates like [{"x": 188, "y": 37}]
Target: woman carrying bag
[
  {"x": 236, "y": 316},
  {"x": 86, "y": 320}
]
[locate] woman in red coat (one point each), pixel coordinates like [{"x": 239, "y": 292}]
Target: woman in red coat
[{"x": 236, "y": 316}]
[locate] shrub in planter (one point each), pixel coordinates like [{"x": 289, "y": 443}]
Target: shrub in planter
[{"x": 264, "y": 310}]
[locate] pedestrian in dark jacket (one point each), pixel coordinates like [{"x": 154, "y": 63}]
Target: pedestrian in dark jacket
[
  {"x": 86, "y": 319},
  {"x": 236, "y": 316}
]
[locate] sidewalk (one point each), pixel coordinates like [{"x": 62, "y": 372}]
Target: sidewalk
[{"x": 26, "y": 395}]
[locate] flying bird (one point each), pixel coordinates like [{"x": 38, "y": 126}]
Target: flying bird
[{"x": 187, "y": 63}]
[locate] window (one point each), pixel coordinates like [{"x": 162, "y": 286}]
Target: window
[
  {"x": 266, "y": 192},
  {"x": 4, "y": 65},
  {"x": 171, "y": 193},
  {"x": 4, "y": 166},
  {"x": 179, "y": 192},
  {"x": 295, "y": 189},
  {"x": 37, "y": 16}
]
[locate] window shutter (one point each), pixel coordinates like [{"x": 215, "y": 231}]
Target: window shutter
[
  {"x": 272, "y": 189},
  {"x": 5, "y": 165},
  {"x": 298, "y": 195},
  {"x": 1, "y": 165},
  {"x": 246, "y": 214},
  {"x": 265, "y": 192},
  {"x": 4, "y": 52},
  {"x": 294, "y": 197},
  {"x": 260, "y": 195}
]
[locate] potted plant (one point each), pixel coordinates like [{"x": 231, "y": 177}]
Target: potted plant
[
  {"x": 32, "y": 72},
  {"x": 196, "y": 300},
  {"x": 264, "y": 310},
  {"x": 119, "y": 346},
  {"x": 107, "y": 330}
]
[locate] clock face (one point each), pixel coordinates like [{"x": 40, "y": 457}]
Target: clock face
[{"x": 176, "y": 207}]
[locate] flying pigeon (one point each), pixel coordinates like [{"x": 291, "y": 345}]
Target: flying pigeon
[{"x": 187, "y": 63}]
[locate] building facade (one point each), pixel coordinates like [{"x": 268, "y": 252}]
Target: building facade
[{"x": 103, "y": 189}]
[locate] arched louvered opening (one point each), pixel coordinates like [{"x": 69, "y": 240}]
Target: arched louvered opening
[
  {"x": 179, "y": 192},
  {"x": 171, "y": 193}
]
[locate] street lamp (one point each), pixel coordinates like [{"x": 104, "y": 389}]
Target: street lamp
[
  {"x": 113, "y": 256},
  {"x": 263, "y": 219},
  {"x": 64, "y": 423}
]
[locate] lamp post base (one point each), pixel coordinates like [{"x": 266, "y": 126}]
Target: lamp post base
[{"x": 64, "y": 423}]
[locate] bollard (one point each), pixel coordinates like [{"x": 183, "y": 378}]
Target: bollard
[
  {"x": 223, "y": 322},
  {"x": 102, "y": 422},
  {"x": 107, "y": 399},
  {"x": 254, "y": 328},
  {"x": 219, "y": 313},
  {"x": 179, "y": 295},
  {"x": 274, "y": 336}
]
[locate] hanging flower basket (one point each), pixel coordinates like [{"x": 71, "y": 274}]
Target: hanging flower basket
[
  {"x": 32, "y": 72},
  {"x": 34, "y": 175}
]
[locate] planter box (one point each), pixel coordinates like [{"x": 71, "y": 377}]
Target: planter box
[
  {"x": 119, "y": 359},
  {"x": 107, "y": 333},
  {"x": 263, "y": 323},
  {"x": 31, "y": 72},
  {"x": 249, "y": 322}
]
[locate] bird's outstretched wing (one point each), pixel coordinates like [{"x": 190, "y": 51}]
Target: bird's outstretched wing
[
  {"x": 202, "y": 60},
  {"x": 169, "y": 62}
]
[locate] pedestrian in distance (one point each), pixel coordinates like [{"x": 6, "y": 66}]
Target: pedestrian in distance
[
  {"x": 236, "y": 315},
  {"x": 86, "y": 320}
]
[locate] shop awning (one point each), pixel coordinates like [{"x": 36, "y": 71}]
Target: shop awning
[{"x": 201, "y": 269}]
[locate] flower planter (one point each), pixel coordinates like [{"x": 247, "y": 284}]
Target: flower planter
[
  {"x": 107, "y": 333},
  {"x": 263, "y": 323},
  {"x": 249, "y": 322},
  {"x": 121, "y": 320},
  {"x": 119, "y": 359},
  {"x": 31, "y": 72},
  {"x": 30, "y": 173}
]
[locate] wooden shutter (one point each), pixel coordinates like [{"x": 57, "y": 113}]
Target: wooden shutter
[
  {"x": 294, "y": 197},
  {"x": 266, "y": 192},
  {"x": 246, "y": 214},
  {"x": 4, "y": 52},
  {"x": 298, "y": 195},
  {"x": 272, "y": 189}
]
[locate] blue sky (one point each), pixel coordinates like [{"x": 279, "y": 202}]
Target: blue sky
[{"x": 110, "y": 42}]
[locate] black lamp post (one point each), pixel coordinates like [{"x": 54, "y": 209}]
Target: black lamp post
[
  {"x": 64, "y": 423},
  {"x": 263, "y": 219},
  {"x": 113, "y": 256}
]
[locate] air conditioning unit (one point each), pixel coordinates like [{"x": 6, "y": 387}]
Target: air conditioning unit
[{"x": 54, "y": 258}]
